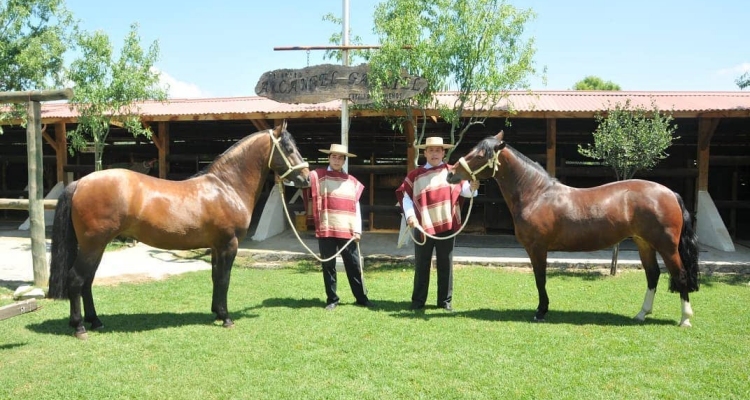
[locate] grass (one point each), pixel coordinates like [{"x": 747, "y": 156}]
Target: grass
[{"x": 159, "y": 340}]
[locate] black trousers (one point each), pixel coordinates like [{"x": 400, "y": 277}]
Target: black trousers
[
  {"x": 350, "y": 256},
  {"x": 444, "y": 260}
]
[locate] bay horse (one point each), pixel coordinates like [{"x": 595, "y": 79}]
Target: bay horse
[
  {"x": 550, "y": 216},
  {"x": 209, "y": 210}
]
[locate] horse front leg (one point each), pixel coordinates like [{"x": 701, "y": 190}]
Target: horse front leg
[
  {"x": 221, "y": 268},
  {"x": 539, "y": 264}
]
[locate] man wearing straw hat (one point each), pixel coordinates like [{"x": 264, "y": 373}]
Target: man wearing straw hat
[
  {"x": 338, "y": 223},
  {"x": 431, "y": 203}
]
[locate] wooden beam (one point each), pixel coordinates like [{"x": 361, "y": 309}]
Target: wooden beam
[
  {"x": 35, "y": 95},
  {"x": 260, "y": 124},
  {"x": 17, "y": 308},
  {"x": 551, "y": 146},
  {"x": 23, "y": 204}
]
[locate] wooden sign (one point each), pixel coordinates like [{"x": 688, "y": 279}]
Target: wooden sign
[{"x": 327, "y": 82}]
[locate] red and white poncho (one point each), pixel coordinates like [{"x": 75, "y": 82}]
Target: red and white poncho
[
  {"x": 335, "y": 196},
  {"x": 435, "y": 200}
]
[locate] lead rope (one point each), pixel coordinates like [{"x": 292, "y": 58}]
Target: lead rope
[
  {"x": 451, "y": 236},
  {"x": 294, "y": 229}
]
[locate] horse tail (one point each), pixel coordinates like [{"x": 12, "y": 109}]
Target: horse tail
[
  {"x": 688, "y": 249},
  {"x": 64, "y": 245}
]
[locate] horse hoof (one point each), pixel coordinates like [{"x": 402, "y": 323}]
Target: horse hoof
[
  {"x": 686, "y": 324},
  {"x": 96, "y": 325},
  {"x": 228, "y": 324},
  {"x": 81, "y": 335},
  {"x": 536, "y": 319}
]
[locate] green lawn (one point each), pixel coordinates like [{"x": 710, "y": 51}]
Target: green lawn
[{"x": 159, "y": 341}]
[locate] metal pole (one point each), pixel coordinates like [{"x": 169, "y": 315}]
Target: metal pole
[{"x": 345, "y": 61}]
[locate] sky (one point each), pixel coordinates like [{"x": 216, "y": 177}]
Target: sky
[{"x": 221, "y": 48}]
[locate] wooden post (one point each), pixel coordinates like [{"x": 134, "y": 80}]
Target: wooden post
[
  {"x": 551, "y": 145},
  {"x": 411, "y": 157},
  {"x": 61, "y": 140},
  {"x": 35, "y": 170},
  {"x": 161, "y": 140},
  {"x": 36, "y": 193}
]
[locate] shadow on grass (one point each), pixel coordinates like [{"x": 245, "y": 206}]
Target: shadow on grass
[
  {"x": 525, "y": 315},
  {"x": 138, "y": 322},
  {"x": 13, "y": 285}
]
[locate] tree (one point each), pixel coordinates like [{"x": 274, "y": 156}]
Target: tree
[
  {"x": 592, "y": 82},
  {"x": 106, "y": 89},
  {"x": 475, "y": 47},
  {"x": 743, "y": 81},
  {"x": 630, "y": 139},
  {"x": 34, "y": 36}
]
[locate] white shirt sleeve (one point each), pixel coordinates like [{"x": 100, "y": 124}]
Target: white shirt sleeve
[
  {"x": 408, "y": 206},
  {"x": 466, "y": 190},
  {"x": 358, "y": 220}
]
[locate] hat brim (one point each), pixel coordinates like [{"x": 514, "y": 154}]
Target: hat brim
[
  {"x": 444, "y": 146},
  {"x": 326, "y": 151}
]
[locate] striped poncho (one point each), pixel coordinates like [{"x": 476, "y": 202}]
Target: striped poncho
[
  {"x": 435, "y": 199},
  {"x": 335, "y": 196}
]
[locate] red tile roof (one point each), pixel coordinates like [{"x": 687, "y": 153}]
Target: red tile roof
[{"x": 563, "y": 102}]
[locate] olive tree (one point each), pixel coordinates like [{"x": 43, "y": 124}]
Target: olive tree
[
  {"x": 34, "y": 37},
  {"x": 108, "y": 88},
  {"x": 474, "y": 47},
  {"x": 630, "y": 139}
]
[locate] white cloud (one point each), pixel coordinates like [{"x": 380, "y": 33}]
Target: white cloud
[
  {"x": 735, "y": 70},
  {"x": 178, "y": 89}
]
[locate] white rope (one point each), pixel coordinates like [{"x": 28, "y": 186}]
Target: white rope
[
  {"x": 294, "y": 229},
  {"x": 451, "y": 236}
]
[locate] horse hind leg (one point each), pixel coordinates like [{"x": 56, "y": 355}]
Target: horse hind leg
[
  {"x": 678, "y": 283},
  {"x": 651, "y": 267},
  {"x": 80, "y": 279}
]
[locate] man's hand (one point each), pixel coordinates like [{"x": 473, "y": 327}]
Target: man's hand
[
  {"x": 474, "y": 185},
  {"x": 411, "y": 221},
  {"x": 357, "y": 236}
]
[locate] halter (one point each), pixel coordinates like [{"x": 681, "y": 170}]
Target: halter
[
  {"x": 289, "y": 167},
  {"x": 492, "y": 162}
]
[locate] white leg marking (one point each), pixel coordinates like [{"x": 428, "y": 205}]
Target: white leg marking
[
  {"x": 687, "y": 312},
  {"x": 648, "y": 305}
]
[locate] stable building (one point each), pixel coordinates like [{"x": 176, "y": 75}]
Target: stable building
[{"x": 708, "y": 165}]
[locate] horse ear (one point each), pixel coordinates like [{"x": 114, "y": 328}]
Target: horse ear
[{"x": 501, "y": 144}]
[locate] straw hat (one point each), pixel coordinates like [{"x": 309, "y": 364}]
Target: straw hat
[
  {"x": 338, "y": 149},
  {"x": 434, "y": 141}
]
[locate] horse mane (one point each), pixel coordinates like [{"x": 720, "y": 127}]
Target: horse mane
[
  {"x": 235, "y": 157},
  {"x": 532, "y": 171}
]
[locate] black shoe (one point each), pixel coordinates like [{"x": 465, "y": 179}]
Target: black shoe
[
  {"x": 415, "y": 306},
  {"x": 331, "y": 306},
  {"x": 366, "y": 303}
]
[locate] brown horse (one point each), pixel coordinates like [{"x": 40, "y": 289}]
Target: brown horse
[
  {"x": 210, "y": 210},
  {"x": 550, "y": 216}
]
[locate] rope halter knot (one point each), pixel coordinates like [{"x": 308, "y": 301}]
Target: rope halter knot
[
  {"x": 289, "y": 167},
  {"x": 492, "y": 162}
]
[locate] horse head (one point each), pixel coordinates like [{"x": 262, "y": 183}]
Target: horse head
[
  {"x": 285, "y": 159},
  {"x": 481, "y": 162}
]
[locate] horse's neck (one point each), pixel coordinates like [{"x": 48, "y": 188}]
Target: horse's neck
[
  {"x": 519, "y": 181},
  {"x": 247, "y": 177}
]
